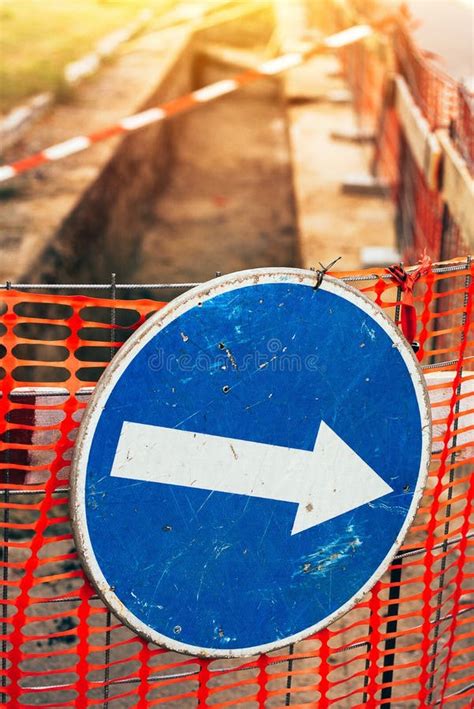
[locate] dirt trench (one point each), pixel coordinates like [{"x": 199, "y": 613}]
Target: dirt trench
[
  {"x": 229, "y": 201},
  {"x": 207, "y": 191}
]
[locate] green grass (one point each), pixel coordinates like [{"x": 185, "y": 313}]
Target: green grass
[{"x": 39, "y": 37}]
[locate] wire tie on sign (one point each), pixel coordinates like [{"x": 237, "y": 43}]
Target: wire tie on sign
[
  {"x": 406, "y": 280},
  {"x": 8, "y": 285},
  {"x": 321, "y": 273}
]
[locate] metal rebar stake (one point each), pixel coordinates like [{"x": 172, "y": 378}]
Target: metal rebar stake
[
  {"x": 5, "y": 559},
  {"x": 452, "y": 460},
  {"x": 108, "y": 616},
  {"x": 393, "y": 595},
  {"x": 5, "y": 555},
  {"x": 291, "y": 650},
  {"x": 442, "y": 268},
  {"x": 390, "y": 643}
]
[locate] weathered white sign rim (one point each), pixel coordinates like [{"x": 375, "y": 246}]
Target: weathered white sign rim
[{"x": 130, "y": 349}]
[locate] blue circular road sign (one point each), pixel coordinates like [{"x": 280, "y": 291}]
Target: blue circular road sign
[{"x": 250, "y": 463}]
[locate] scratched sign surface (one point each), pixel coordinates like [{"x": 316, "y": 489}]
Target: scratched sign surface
[{"x": 250, "y": 463}]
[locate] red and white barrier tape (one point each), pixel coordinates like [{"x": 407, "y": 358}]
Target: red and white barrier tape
[{"x": 182, "y": 104}]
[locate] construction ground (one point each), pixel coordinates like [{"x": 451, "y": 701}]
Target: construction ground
[{"x": 253, "y": 179}]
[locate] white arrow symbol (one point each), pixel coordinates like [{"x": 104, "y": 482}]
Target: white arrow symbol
[{"x": 324, "y": 483}]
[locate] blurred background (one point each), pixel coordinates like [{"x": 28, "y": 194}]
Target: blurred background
[
  {"x": 282, "y": 172},
  {"x": 39, "y": 39}
]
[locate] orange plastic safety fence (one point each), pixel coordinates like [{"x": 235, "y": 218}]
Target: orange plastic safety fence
[
  {"x": 420, "y": 212},
  {"x": 433, "y": 90},
  {"x": 462, "y": 126},
  {"x": 410, "y": 642},
  {"x": 422, "y": 219},
  {"x": 387, "y": 150},
  {"x": 366, "y": 71}
]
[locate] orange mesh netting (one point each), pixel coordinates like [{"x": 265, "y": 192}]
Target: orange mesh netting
[
  {"x": 420, "y": 212},
  {"x": 462, "y": 127},
  {"x": 423, "y": 221},
  {"x": 435, "y": 91},
  {"x": 409, "y": 642},
  {"x": 366, "y": 70}
]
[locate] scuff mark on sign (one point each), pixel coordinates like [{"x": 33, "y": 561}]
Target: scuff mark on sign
[
  {"x": 229, "y": 355},
  {"x": 324, "y": 559}
]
